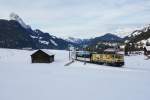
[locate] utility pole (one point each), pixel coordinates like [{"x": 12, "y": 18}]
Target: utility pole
[
  {"x": 69, "y": 46},
  {"x": 84, "y": 48},
  {"x": 69, "y": 54}
]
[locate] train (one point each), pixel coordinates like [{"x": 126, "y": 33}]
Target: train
[{"x": 110, "y": 58}]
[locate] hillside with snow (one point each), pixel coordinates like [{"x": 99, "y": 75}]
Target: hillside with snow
[
  {"x": 22, "y": 80},
  {"x": 139, "y": 35}
]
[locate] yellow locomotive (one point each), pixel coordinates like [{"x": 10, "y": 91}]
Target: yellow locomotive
[{"x": 111, "y": 58}]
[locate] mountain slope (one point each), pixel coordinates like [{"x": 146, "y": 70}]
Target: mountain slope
[
  {"x": 109, "y": 38},
  {"x": 106, "y": 38},
  {"x": 16, "y": 34},
  {"x": 139, "y": 35},
  {"x": 13, "y": 35}
]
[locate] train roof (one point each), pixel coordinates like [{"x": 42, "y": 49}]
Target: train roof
[
  {"x": 113, "y": 51},
  {"x": 110, "y": 50}
]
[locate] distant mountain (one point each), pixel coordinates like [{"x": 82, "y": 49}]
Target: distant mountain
[
  {"x": 109, "y": 38},
  {"x": 78, "y": 41},
  {"x": 15, "y": 33},
  {"x": 106, "y": 38},
  {"x": 74, "y": 40},
  {"x": 99, "y": 43}
]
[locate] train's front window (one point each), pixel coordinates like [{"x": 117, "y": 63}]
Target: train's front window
[{"x": 119, "y": 56}]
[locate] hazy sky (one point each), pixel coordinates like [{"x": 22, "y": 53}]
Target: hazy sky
[{"x": 80, "y": 18}]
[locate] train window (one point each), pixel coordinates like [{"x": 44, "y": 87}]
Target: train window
[{"x": 119, "y": 56}]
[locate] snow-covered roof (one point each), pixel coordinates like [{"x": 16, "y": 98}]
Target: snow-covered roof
[
  {"x": 122, "y": 46},
  {"x": 46, "y": 51},
  {"x": 120, "y": 52}
]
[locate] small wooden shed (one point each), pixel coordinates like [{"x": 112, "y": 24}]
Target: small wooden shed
[{"x": 42, "y": 56}]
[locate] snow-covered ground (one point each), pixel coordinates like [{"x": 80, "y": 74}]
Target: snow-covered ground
[{"x": 22, "y": 80}]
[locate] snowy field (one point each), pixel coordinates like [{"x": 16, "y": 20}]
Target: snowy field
[{"x": 21, "y": 80}]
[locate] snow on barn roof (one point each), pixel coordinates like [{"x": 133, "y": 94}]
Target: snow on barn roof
[
  {"x": 47, "y": 51},
  {"x": 147, "y": 48},
  {"x": 44, "y": 50}
]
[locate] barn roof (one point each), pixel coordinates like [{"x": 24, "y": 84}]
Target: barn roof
[
  {"x": 45, "y": 51},
  {"x": 48, "y": 52}
]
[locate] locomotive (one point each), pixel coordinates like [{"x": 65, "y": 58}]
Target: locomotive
[{"x": 107, "y": 57}]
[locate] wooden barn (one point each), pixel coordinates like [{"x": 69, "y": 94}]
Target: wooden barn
[{"x": 42, "y": 56}]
